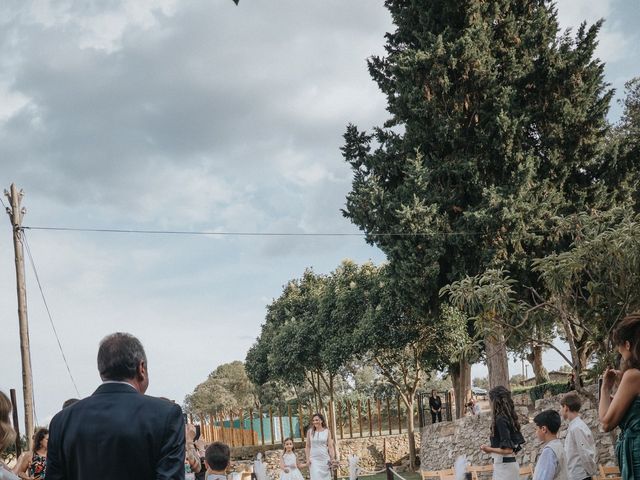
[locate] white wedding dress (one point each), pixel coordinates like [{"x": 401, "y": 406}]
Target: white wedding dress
[
  {"x": 290, "y": 463},
  {"x": 319, "y": 456}
]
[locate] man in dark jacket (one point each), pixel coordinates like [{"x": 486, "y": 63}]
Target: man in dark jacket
[{"x": 118, "y": 433}]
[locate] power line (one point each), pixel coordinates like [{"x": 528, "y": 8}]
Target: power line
[
  {"x": 257, "y": 234},
  {"x": 44, "y": 300}
]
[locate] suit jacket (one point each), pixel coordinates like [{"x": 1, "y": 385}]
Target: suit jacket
[{"x": 117, "y": 434}]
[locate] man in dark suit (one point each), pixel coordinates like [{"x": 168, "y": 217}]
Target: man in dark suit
[{"x": 118, "y": 433}]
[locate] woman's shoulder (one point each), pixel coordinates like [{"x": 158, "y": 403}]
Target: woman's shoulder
[
  {"x": 631, "y": 374},
  {"x": 502, "y": 419}
]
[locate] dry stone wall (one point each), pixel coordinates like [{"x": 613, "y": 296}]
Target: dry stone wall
[
  {"x": 370, "y": 452},
  {"x": 443, "y": 442}
]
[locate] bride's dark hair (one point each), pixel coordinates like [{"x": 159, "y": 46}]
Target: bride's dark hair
[{"x": 321, "y": 417}]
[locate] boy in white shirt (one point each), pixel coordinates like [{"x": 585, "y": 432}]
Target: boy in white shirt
[{"x": 579, "y": 445}]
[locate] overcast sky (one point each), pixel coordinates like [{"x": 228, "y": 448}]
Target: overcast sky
[{"x": 188, "y": 115}]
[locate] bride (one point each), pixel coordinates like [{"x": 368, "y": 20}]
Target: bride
[{"x": 319, "y": 449}]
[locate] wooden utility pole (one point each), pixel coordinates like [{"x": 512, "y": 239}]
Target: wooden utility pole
[
  {"x": 16, "y": 213},
  {"x": 16, "y": 426}
]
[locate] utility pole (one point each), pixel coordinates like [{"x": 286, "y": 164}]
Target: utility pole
[{"x": 16, "y": 213}]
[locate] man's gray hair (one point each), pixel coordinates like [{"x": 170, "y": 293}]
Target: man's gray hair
[{"x": 119, "y": 356}]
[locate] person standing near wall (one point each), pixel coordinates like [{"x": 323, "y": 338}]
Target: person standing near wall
[
  {"x": 435, "y": 406},
  {"x": 579, "y": 445},
  {"x": 506, "y": 439}
]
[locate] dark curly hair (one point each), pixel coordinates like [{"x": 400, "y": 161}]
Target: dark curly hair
[
  {"x": 628, "y": 330},
  {"x": 502, "y": 404},
  {"x": 38, "y": 438}
]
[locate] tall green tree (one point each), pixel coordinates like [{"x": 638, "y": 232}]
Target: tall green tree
[
  {"x": 587, "y": 289},
  {"x": 497, "y": 126},
  {"x": 226, "y": 388},
  {"x": 403, "y": 346}
]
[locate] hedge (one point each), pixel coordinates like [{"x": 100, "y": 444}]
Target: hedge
[{"x": 537, "y": 392}]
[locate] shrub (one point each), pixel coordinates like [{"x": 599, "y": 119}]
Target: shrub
[{"x": 538, "y": 391}]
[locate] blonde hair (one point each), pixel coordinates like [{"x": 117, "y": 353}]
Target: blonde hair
[{"x": 7, "y": 434}]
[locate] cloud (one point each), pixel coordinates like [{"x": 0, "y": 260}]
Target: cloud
[
  {"x": 185, "y": 115},
  {"x": 262, "y": 95}
]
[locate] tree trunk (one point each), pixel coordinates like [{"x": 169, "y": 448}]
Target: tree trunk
[
  {"x": 320, "y": 403},
  {"x": 497, "y": 360},
  {"x": 410, "y": 429},
  {"x": 332, "y": 418},
  {"x": 461, "y": 380},
  {"x": 535, "y": 359},
  {"x": 570, "y": 338}
]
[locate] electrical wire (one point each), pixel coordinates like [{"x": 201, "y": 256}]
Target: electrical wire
[
  {"x": 46, "y": 305},
  {"x": 258, "y": 234}
]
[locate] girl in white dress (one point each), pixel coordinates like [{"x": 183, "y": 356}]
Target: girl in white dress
[
  {"x": 289, "y": 463},
  {"x": 319, "y": 449}
]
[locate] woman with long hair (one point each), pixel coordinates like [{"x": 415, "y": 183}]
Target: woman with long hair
[
  {"x": 7, "y": 435},
  {"x": 506, "y": 439},
  {"x": 623, "y": 408},
  {"x": 33, "y": 465},
  {"x": 319, "y": 449}
]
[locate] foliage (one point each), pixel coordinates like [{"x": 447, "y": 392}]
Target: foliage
[
  {"x": 624, "y": 151},
  {"x": 227, "y": 388},
  {"x": 588, "y": 287},
  {"x": 537, "y": 392},
  {"x": 497, "y": 128},
  {"x": 481, "y": 382},
  {"x": 596, "y": 282},
  {"x": 436, "y": 382},
  {"x": 9, "y": 453}
]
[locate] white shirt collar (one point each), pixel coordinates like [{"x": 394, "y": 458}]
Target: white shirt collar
[{"x": 123, "y": 383}]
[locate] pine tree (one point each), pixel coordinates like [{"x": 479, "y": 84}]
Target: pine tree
[{"x": 497, "y": 126}]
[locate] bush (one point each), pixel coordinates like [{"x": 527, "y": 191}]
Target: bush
[
  {"x": 538, "y": 391},
  {"x": 520, "y": 390}
]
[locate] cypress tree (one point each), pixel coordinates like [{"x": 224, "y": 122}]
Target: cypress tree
[{"x": 497, "y": 126}]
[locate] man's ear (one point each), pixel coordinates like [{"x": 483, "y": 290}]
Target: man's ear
[{"x": 141, "y": 371}]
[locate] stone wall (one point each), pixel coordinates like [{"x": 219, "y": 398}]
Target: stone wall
[
  {"x": 370, "y": 451},
  {"x": 443, "y": 442}
]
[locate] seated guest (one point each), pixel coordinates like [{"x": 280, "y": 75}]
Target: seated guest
[
  {"x": 217, "y": 458},
  {"x": 551, "y": 463},
  {"x": 33, "y": 465}
]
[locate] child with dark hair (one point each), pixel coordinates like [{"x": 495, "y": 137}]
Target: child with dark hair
[
  {"x": 289, "y": 462},
  {"x": 551, "y": 463},
  {"x": 217, "y": 458},
  {"x": 579, "y": 445},
  {"x": 623, "y": 408}
]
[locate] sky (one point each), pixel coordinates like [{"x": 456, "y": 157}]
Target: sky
[{"x": 189, "y": 115}]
